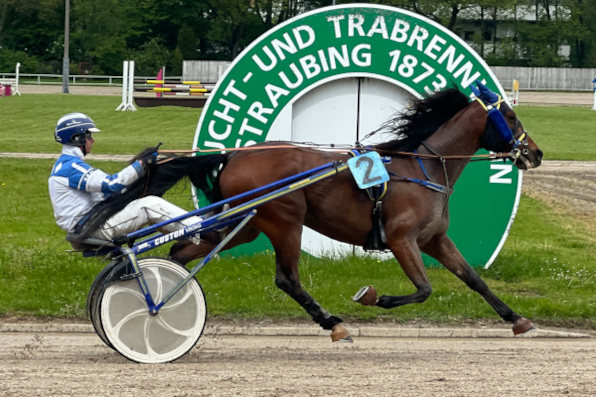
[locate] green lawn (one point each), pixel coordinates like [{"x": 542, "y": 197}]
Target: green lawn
[
  {"x": 563, "y": 133},
  {"x": 545, "y": 271},
  {"x": 27, "y": 124},
  {"x": 28, "y": 121}
]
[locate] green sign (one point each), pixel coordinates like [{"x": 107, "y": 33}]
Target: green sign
[{"x": 397, "y": 49}]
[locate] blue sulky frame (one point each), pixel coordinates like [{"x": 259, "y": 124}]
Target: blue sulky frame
[{"x": 242, "y": 213}]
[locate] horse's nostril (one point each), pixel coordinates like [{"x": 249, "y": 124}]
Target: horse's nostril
[{"x": 539, "y": 154}]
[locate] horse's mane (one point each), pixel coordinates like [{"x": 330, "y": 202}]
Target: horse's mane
[{"x": 421, "y": 119}]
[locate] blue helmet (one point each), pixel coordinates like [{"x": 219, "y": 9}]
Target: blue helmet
[{"x": 71, "y": 129}]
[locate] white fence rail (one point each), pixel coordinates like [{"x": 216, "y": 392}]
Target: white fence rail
[
  {"x": 536, "y": 79},
  {"x": 77, "y": 79},
  {"x": 546, "y": 79}
]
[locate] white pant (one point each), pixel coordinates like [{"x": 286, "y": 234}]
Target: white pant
[{"x": 143, "y": 212}]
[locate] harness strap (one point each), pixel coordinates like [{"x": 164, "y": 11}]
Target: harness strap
[
  {"x": 422, "y": 166},
  {"x": 428, "y": 184}
]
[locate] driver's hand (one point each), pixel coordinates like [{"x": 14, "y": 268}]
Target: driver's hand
[{"x": 149, "y": 160}]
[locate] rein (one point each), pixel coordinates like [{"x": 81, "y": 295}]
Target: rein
[{"x": 473, "y": 157}]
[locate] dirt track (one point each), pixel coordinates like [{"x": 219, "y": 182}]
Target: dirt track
[
  {"x": 569, "y": 186},
  {"x": 80, "y": 365}
]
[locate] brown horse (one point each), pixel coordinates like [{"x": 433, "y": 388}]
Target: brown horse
[{"x": 416, "y": 218}]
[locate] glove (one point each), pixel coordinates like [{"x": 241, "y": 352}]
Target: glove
[{"x": 150, "y": 159}]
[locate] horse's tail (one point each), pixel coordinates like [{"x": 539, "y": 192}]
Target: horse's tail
[{"x": 201, "y": 170}]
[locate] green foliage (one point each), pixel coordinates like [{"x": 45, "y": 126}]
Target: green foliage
[
  {"x": 151, "y": 58},
  {"x": 542, "y": 43},
  {"x": 105, "y": 31},
  {"x": 9, "y": 59},
  {"x": 187, "y": 43}
]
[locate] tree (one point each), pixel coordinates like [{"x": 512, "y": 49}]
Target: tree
[{"x": 187, "y": 43}]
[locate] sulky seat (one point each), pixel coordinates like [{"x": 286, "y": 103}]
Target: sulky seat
[{"x": 87, "y": 244}]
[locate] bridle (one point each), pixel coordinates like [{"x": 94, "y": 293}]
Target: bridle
[{"x": 519, "y": 143}]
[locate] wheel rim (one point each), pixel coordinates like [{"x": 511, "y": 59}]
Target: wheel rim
[
  {"x": 93, "y": 305},
  {"x": 165, "y": 337}
]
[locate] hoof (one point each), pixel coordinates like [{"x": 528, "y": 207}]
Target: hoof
[
  {"x": 340, "y": 334},
  {"x": 366, "y": 296},
  {"x": 522, "y": 325}
]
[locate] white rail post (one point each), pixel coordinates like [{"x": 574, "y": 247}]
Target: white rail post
[
  {"x": 122, "y": 105},
  {"x": 16, "y": 84},
  {"x": 131, "y": 83}
]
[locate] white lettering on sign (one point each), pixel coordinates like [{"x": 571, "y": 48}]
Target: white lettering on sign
[
  {"x": 309, "y": 31},
  {"x": 292, "y": 59},
  {"x": 280, "y": 46},
  {"x": 336, "y": 25},
  {"x": 504, "y": 169},
  {"x": 355, "y": 23},
  {"x": 399, "y": 33},
  {"x": 378, "y": 27}
]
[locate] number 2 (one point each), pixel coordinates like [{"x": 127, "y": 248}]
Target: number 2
[{"x": 369, "y": 165}]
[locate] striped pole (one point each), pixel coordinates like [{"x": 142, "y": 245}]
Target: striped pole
[
  {"x": 166, "y": 82},
  {"x": 163, "y": 89}
]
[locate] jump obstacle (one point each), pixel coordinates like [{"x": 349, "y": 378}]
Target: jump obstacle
[
  {"x": 162, "y": 88},
  {"x": 10, "y": 86},
  {"x": 515, "y": 93}
]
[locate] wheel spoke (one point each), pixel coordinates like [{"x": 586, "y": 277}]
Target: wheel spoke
[
  {"x": 157, "y": 296},
  {"x": 171, "y": 306},
  {"x": 150, "y": 351},
  {"x": 161, "y": 322},
  {"x": 128, "y": 317},
  {"x": 136, "y": 293}
]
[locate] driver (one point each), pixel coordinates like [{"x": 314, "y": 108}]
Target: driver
[{"x": 76, "y": 188}]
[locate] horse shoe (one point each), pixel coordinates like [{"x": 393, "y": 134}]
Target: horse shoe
[
  {"x": 366, "y": 296},
  {"x": 524, "y": 327},
  {"x": 340, "y": 334}
]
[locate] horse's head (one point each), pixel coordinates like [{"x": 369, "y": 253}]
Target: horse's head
[{"x": 504, "y": 132}]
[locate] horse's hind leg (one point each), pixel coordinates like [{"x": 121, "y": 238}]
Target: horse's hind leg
[
  {"x": 287, "y": 256},
  {"x": 410, "y": 260},
  {"x": 444, "y": 250},
  {"x": 281, "y": 222}
]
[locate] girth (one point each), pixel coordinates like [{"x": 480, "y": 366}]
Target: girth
[{"x": 375, "y": 240}]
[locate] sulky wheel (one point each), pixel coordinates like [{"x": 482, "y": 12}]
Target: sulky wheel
[
  {"x": 161, "y": 338},
  {"x": 95, "y": 293}
]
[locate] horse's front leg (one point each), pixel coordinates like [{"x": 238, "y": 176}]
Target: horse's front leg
[
  {"x": 444, "y": 250},
  {"x": 408, "y": 255}
]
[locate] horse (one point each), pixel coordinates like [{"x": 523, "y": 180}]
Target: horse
[{"x": 445, "y": 130}]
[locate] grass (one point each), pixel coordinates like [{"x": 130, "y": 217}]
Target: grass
[
  {"x": 545, "y": 271},
  {"x": 563, "y": 133},
  {"x": 27, "y": 123}
]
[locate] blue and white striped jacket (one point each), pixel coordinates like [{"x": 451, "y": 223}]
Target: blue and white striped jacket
[{"x": 75, "y": 186}]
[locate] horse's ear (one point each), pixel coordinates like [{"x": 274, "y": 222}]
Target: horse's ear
[
  {"x": 486, "y": 94},
  {"x": 475, "y": 90}
]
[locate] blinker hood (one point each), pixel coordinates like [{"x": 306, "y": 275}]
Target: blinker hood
[{"x": 490, "y": 100}]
